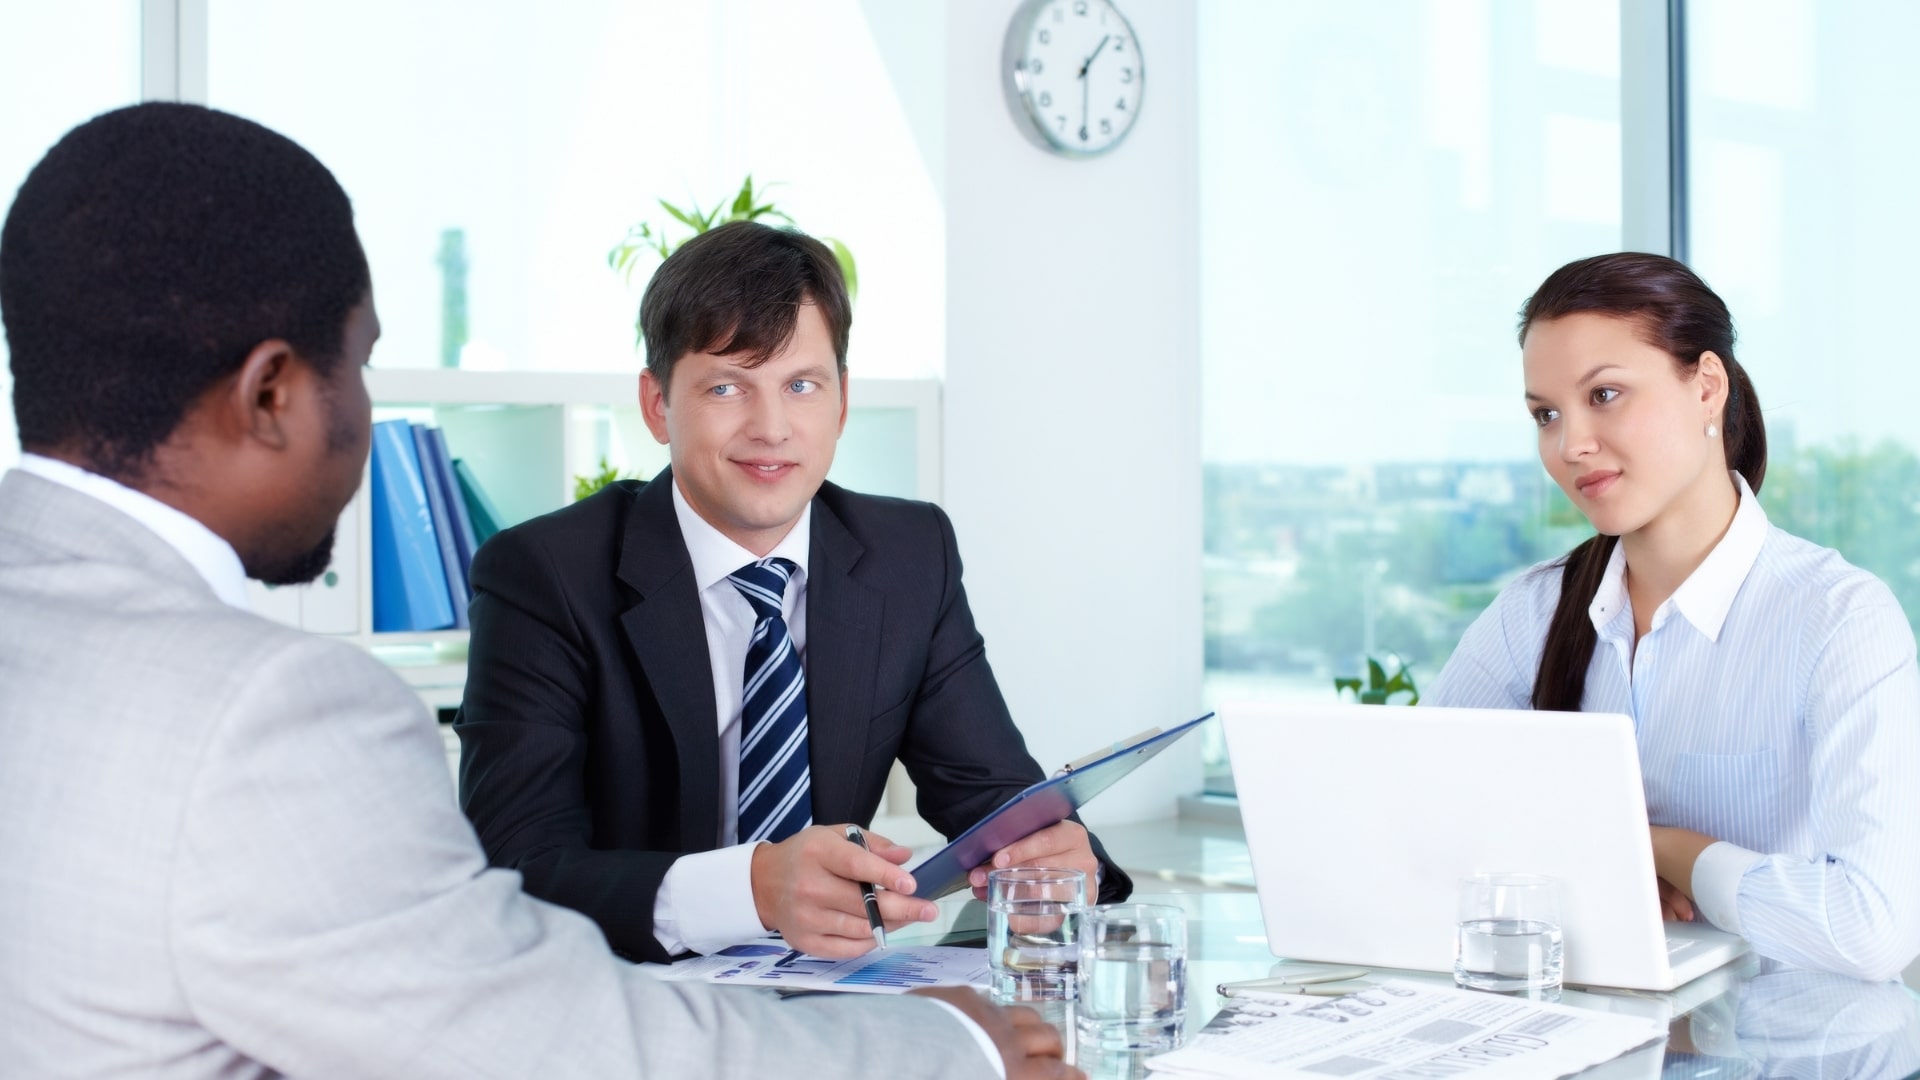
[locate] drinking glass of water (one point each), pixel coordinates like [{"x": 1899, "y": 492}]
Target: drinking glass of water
[
  {"x": 1509, "y": 934},
  {"x": 1033, "y": 932},
  {"x": 1133, "y": 977}
]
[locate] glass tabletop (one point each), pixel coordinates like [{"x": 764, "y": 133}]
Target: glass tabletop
[{"x": 1753, "y": 1018}]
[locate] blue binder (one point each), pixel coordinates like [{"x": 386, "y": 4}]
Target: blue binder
[
  {"x": 409, "y": 586},
  {"x": 464, "y": 541},
  {"x": 440, "y": 507},
  {"x": 1049, "y": 802}
]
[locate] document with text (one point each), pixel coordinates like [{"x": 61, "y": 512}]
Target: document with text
[
  {"x": 882, "y": 971},
  {"x": 1404, "y": 1031}
]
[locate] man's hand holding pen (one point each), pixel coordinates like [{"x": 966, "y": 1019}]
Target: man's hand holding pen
[{"x": 807, "y": 888}]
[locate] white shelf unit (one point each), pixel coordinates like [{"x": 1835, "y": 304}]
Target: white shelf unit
[{"x": 526, "y": 435}]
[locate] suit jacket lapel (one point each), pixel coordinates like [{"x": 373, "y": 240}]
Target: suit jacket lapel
[
  {"x": 667, "y": 633},
  {"x": 843, "y": 651}
]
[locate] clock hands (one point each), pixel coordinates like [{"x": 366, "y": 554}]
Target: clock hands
[
  {"x": 1084, "y": 84},
  {"x": 1088, "y": 62}
]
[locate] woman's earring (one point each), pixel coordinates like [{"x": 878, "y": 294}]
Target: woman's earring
[{"x": 1712, "y": 431}]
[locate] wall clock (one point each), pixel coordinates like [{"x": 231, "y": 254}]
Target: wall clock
[{"x": 1074, "y": 75}]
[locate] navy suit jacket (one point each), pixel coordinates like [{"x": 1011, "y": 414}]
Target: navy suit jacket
[{"x": 590, "y": 744}]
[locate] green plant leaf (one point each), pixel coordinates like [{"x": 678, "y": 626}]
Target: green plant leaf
[
  {"x": 584, "y": 486},
  {"x": 743, "y": 202},
  {"x": 1376, "y": 675},
  {"x": 1346, "y": 684},
  {"x": 682, "y": 216}
]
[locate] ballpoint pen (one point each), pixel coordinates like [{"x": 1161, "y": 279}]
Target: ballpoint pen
[
  {"x": 867, "y": 897},
  {"x": 1321, "y": 982},
  {"x": 1274, "y": 986}
]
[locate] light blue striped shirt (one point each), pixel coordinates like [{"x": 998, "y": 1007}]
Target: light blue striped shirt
[{"x": 1776, "y": 704}]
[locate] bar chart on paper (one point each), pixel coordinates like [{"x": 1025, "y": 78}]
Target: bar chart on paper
[
  {"x": 883, "y": 971},
  {"x": 895, "y": 971}
]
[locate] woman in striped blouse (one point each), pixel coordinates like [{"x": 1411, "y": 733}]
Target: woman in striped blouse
[{"x": 1773, "y": 688}]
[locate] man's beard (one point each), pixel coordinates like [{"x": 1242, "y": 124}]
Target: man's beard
[{"x": 295, "y": 569}]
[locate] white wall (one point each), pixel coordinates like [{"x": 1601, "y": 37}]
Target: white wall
[{"x": 1072, "y": 405}]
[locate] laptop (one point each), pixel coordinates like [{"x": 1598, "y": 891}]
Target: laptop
[{"x": 1362, "y": 819}]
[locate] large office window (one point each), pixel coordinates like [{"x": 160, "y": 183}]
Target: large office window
[
  {"x": 59, "y": 65},
  {"x": 496, "y": 150},
  {"x": 1802, "y": 168},
  {"x": 1381, "y": 186}
]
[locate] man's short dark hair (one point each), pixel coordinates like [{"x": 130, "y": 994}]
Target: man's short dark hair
[
  {"x": 737, "y": 291},
  {"x": 146, "y": 255}
]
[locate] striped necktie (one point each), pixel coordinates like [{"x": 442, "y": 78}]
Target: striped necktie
[{"x": 775, "y": 799}]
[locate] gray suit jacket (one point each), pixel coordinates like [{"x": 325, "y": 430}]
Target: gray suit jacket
[{"x": 229, "y": 849}]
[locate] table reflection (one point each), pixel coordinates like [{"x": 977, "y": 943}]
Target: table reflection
[{"x": 1754, "y": 1019}]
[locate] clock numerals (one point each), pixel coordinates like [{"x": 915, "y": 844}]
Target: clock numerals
[{"x": 1060, "y": 68}]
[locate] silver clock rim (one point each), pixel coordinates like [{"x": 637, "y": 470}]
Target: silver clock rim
[{"x": 1020, "y": 104}]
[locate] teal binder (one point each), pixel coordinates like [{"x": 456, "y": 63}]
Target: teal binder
[
  {"x": 486, "y": 516},
  {"x": 409, "y": 585}
]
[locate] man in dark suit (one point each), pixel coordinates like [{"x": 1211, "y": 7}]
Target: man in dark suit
[{"x": 670, "y": 682}]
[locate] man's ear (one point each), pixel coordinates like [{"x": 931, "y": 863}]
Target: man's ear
[
  {"x": 262, "y": 393},
  {"x": 842, "y": 429},
  {"x": 653, "y": 405}
]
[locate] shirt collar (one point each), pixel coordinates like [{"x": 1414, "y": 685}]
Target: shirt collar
[
  {"x": 715, "y": 556},
  {"x": 1707, "y": 595},
  {"x": 212, "y": 557}
]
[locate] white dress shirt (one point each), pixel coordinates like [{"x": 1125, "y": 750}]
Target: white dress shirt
[
  {"x": 705, "y": 902},
  {"x": 213, "y": 557},
  {"x": 1776, "y": 704}
]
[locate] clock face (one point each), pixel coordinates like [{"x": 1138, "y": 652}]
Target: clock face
[{"x": 1074, "y": 74}]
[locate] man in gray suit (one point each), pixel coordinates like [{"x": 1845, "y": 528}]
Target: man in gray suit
[{"x": 228, "y": 848}]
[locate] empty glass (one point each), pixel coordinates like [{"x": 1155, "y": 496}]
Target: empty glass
[
  {"x": 1133, "y": 977},
  {"x": 1033, "y": 932},
  {"x": 1508, "y": 938}
]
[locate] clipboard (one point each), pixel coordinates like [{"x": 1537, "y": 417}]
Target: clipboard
[{"x": 1048, "y": 802}]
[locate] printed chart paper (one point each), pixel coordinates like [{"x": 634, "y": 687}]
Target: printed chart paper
[
  {"x": 1403, "y": 1030},
  {"x": 882, "y": 971}
]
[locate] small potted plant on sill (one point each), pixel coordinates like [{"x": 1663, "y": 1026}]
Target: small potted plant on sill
[{"x": 1378, "y": 688}]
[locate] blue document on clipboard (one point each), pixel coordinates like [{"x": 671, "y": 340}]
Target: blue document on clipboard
[{"x": 1049, "y": 802}]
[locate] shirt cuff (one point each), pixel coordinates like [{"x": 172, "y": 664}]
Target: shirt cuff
[
  {"x": 705, "y": 902},
  {"x": 979, "y": 1035},
  {"x": 1716, "y": 882}
]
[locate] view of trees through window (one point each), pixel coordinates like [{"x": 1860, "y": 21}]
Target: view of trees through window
[{"x": 1372, "y": 478}]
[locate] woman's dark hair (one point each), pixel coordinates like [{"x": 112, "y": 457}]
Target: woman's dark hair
[
  {"x": 143, "y": 259},
  {"x": 737, "y": 290},
  {"x": 1673, "y": 310}
]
